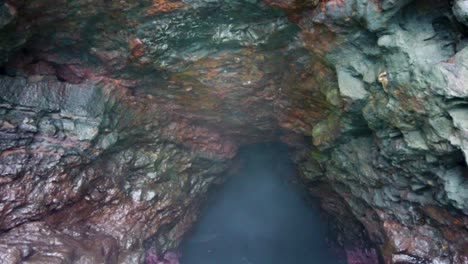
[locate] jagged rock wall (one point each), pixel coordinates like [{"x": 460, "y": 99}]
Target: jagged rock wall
[
  {"x": 89, "y": 176},
  {"x": 116, "y": 119},
  {"x": 112, "y": 129},
  {"x": 395, "y": 150}
]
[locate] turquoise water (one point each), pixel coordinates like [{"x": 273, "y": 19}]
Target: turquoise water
[{"x": 260, "y": 217}]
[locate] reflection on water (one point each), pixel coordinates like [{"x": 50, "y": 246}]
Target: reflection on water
[{"x": 259, "y": 217}]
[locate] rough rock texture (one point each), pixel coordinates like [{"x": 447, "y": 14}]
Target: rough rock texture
[
  {"x": 396, "y": 150},
  {"x": 86, "y": 160},
  {"x": 116, "y": 117},
  {"x": 460, "y": 10}
]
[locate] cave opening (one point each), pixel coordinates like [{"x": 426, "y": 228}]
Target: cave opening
[{"x": 261, "y": 214}]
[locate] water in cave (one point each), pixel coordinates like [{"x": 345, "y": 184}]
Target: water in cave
[{"x": 260, "y": 216}]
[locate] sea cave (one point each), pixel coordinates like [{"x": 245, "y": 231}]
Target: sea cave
[{"x": 233, "y": 131}]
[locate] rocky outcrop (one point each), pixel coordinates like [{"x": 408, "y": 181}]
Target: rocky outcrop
[
  {"x": 116, "y": 118},
  {"x": 394, "y": 149},
  {"x": 84, "y": 162},
  {"x": 460, "y": 10}
]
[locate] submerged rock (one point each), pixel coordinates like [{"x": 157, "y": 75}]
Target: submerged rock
[{"x": 168, "y": 258}]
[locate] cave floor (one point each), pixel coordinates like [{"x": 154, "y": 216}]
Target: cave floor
[{"x": 260, "y": 216}]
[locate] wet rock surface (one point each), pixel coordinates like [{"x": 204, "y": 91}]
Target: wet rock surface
[
  {"x": 117, "y": 117},
  {"x": 71, "y": 165},
  {"x": 394, "y": 149}
]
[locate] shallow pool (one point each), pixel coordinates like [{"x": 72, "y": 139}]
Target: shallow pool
[{"x": 260, "y": 216}]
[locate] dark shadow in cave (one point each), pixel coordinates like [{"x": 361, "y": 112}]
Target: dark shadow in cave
[{"x": 260, "y": 217}]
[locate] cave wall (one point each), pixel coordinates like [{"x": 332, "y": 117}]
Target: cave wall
[
  {"x": 117, "y": 117},
  {"x": 88, "y": 175},
  {"x": 113, "y": 129},
  {"x": 396, "y": 151}
]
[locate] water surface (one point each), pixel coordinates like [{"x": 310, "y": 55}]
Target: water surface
[{"x": 260, "y": 217}]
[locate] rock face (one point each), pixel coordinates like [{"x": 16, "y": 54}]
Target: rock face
[
  {"x": 116, "y": 118},
  {"x": 76, "y": 166},
  {"x": 396, "y": 150}
]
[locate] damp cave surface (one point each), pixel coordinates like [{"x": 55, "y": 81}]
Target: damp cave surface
[{"x": 260, "y": 215}]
